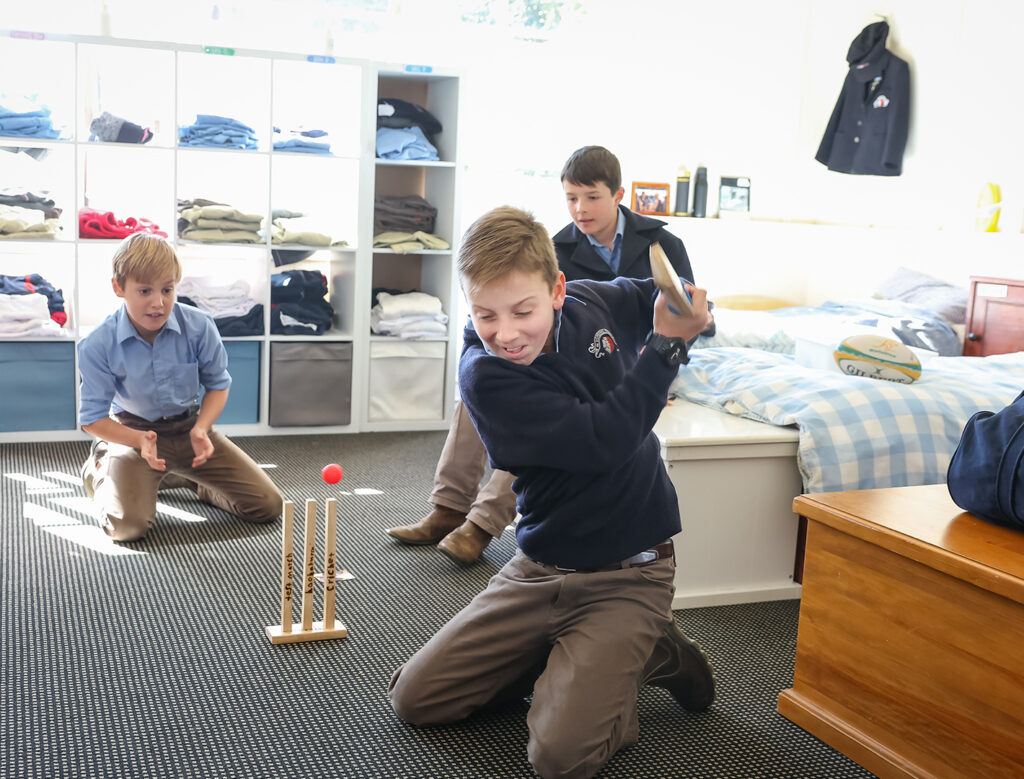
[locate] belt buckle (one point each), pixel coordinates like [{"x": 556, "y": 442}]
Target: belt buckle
[{"x": 642, "y": 558}]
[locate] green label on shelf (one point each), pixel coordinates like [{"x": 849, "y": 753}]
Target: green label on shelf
[
  {"x": 419, "y": 69},
  {"x": 320, "y": 58},
  {"x": 227, "y": 52}
]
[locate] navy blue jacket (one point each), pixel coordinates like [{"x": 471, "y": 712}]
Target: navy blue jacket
[
  {"x": 578, "y": 260},
  {"x": 867, "y": 131},
  {"x": 575, "y": 427},
  {"x": 986, "y": 474}
]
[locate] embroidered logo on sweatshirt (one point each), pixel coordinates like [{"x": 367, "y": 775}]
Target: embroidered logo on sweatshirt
[
  {"x": 881, "y": 101},
  {"x": 603, "y": 343}
]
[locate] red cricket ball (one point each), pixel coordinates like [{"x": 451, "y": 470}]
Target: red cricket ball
[{"x": 332, "y": 473}]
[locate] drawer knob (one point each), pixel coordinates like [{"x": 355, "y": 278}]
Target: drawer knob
[{"x": 973, "y": 337}]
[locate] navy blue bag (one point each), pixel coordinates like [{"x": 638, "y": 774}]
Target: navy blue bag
[{"x": 986, "y": 474}]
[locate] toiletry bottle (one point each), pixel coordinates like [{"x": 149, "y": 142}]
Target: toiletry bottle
[
  {"x": 682, "y": 192},
  {"x": 700, "y": 192}
]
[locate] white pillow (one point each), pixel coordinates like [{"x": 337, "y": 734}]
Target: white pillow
[{"x": 919, "y": 289}]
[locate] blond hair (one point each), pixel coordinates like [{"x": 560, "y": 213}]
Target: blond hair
[
  {"x": 144, "y": 257},
  {"x": 503, "y": 241}
]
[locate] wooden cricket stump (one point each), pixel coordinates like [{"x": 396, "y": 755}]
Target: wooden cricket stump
[{"x": 307, "y": 630}]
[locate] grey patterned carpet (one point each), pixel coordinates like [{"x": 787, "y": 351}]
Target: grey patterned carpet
[{"x": 150, "y": 659}]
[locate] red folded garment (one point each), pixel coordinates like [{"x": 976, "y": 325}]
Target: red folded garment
[{"x": 103, "y": 224}]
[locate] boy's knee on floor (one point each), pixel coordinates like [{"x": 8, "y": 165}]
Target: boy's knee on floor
[
  {"x": 406, "y": 703},
  {"x": 262, "y": 508},
  {"x": 560, "y": 755},
  {"x": 270, "y": 509}
]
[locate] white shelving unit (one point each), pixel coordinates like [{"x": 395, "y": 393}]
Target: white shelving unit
[{"x": 368, "y": 382}]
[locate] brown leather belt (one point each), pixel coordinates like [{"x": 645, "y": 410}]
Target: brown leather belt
[{"x": 658, "y": 552}]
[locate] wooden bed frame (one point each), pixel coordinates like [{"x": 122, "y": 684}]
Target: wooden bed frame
[{"x": 736, "y": 480}]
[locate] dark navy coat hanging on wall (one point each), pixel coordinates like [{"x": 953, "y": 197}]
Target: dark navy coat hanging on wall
[{"x": 867, "y": 131}]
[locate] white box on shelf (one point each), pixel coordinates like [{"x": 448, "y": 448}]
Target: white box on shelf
[{"x": 406, "y": 380}]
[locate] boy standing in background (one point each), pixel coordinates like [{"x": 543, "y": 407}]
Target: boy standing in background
[{"x": 605, "y": 240}]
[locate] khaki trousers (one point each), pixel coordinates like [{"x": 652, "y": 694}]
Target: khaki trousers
[
  {"x": 600, "y": 630},
  {"x": 458, "y": 474},
  {"x": 125, "y": 486}
]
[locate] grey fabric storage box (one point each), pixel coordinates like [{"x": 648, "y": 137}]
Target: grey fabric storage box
[
  {"x": 310, "y": 383},
  {"x": 406, "y": 380}
]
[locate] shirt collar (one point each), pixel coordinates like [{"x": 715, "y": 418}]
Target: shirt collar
[
  {"x": 620, "y": 228},
  {"x": 126, "y": 330}
]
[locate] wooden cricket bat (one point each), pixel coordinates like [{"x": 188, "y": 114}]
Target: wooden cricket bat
[{"x": 668, "y": 282}]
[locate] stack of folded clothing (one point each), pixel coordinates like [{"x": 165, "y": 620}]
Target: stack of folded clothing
[
  {"x": 235, "y": 311},
  {"x": 41, "y": 200},
  {"x": 38, "y": 153},
  {"x": 408, "y": 315},
  {"x": 404, "y": 130},
  {"x": 26, "y": 117},
  {"x": 103, "y": 224},
  {"x": 18, "y": 223},
  {"x": 403, "y": 213},
  {"x": 211, "y": 222},
  {"x": 219, "y": 132},
  {"x": 23, "y": 316},
  {"x": 309, "y": 141},
  {"x": 298, "y": 303},
  {"x": 113, "y": 129},
  {"x": 409, "y": 243},
  {"x": 30, "y": 305},
  {"x": 294, "y": 227}
]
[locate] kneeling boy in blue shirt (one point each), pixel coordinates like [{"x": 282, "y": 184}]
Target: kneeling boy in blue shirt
[
  {"x": 141, "y": 371},
  {"x": 564, "y": 383}
]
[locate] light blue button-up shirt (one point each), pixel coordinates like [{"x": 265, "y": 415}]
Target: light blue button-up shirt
[
  {"x": 611, "y": 256},
  {"x": 121, "y": 372}
]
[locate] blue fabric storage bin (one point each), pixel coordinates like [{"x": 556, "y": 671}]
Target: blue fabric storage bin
[
  {"x": 37, "y": 386},
  {"x": 243, "y": 406}
]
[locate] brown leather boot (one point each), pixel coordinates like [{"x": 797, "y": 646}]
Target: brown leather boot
[
  {"x": 431, "y": 529},
  {"x": 466, "y": 542}
]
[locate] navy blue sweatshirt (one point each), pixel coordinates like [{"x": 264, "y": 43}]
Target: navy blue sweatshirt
[{"x": 574, "y": 427}]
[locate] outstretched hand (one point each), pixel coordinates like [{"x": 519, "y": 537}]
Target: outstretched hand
[
  {"x": 685, "y": 326},
  {"x": 149, "y": 452},
  {"x": 202, "y": 446}
]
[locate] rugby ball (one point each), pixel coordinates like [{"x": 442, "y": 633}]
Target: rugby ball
[{"x": 877, "y": 357}]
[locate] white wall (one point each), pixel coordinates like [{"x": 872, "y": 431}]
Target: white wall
[{"x": 744, "y": 87}]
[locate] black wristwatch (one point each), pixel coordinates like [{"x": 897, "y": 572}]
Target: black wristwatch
[{"x": 673, "y": 350}]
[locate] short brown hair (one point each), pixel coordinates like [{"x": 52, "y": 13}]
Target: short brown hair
[
  {"x": 592, "y": 164},
  {"x": 144, "y": 257},
  {"x": 503, "y": 241}
]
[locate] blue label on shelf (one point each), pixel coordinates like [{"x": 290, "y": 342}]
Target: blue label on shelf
[
  {"x": 419, "y": 69},
  {"x": 320, "y": 58},
  {"x": 226, "y": 51}
]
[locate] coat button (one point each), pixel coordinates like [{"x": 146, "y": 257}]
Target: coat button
[
  {"x": 859, "y": 123},
  {"x": 856, "y": 139}
]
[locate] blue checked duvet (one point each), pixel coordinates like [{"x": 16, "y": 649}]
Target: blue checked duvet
[{"x": 856, "y": 432}]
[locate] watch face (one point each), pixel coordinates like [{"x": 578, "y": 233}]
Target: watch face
[{"x": 669, "y": 348}]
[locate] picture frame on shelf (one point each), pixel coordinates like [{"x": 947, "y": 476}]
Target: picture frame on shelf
[
  {"x": 734, "y": 197},
  {"x": 650, "y": 198}
]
